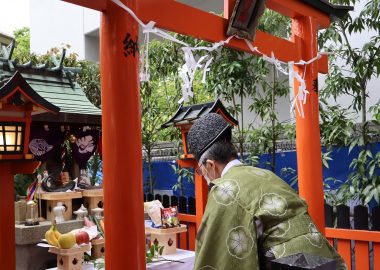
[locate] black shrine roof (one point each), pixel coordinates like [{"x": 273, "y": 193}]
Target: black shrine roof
[
  {"x": 334, "y": 11},
  {"x": 188, "y": 114}
]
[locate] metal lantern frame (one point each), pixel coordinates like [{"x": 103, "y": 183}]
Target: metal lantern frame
[{"x": 12, "y": 136}]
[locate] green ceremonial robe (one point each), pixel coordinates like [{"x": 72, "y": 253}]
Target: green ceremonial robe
[{"x": 251, "y": 211}]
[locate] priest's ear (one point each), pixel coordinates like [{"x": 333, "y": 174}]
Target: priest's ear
[{"x": 210, "y": 164}]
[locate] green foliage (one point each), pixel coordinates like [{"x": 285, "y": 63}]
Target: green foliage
[
  {"x": 89, "y": 80},
  {"x": 275, "y": 23},
  {"x": 336, "y": 124},
  {"x": 239, "y": 78},
  {"x": 22, "y": 50},
  {"x": 94, "y": 165},
  {"x": 154, "y": 252},
  {"x": 183, "y": 173},
  {"x": 22, "y": 182},
  {"x": 160, "y": 95},
  {"x": 360, "y": 64}
]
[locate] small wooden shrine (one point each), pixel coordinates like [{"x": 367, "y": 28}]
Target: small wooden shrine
[
  {"x": 187, "y": 115},
  {"x": 57, "y": 113}
]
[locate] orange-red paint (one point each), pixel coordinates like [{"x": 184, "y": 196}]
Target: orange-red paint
[
  {"x": 99, "y": 5},
  {"x": 187, "y": 218},
  {"x": 7, "y": 218},
  {"x": 359, "y": 235},
  {"x": 183, "y": 240},
  {"x": 298, "y": 9},
  {"x": 376, "y": 255},
  {"x": 31, "y": 101},
  {"x": 362, "y": 255},
  {"x": 121, "y": 133},
  {"x": 362, "y": 239},
  {"x": 183, "y": 19},
  {"x": 344, "y": 249},
  {"x": 7, "y": 215},
  {"x": 192, "y": 232},
  {"x": 308, "y": 143},
  {"x": 201, "y": 189}
]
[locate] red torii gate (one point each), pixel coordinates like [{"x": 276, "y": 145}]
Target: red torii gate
[{"x": 121, "y": 119}]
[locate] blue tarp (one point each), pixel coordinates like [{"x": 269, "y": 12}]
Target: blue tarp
[{"x": 165, "y": 177}]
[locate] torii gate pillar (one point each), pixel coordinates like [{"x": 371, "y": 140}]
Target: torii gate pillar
[
  {"x": 310, "y": 179},
  {"x": 121, "y": 126}
]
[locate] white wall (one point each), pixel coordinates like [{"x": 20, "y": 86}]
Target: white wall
[{"x": 54, "y": 22}]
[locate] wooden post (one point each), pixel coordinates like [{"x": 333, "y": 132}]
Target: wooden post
[
  {"x": 121, "y": 129},
  {"x": 228, "y": 8},
  {"x": 7, "y": 218},
  {"x": 201, "y": 195},
  {"x": 201, "y": 189},
  {"x": 7, "y": 211},
  {"x": 310, "y": 182}
]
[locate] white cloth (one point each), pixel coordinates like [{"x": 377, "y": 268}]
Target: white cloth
[
  {"x": 185, "y": 256},
  {"x": 230, "y": 164}
]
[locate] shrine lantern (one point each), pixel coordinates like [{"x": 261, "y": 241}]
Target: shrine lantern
[
  {"x": 187, "y": 115},
  {"x": 18, "y": 102}
]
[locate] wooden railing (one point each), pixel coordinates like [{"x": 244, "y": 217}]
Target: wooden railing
[
  {"x": 360, "y": 249},
  {"x": 187, "y": 240}
]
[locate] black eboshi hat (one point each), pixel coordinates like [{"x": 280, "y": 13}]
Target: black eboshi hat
[{"x": 206, "y": 131}]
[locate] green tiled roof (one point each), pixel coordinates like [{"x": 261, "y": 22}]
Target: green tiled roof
[{"x": 55, "y": 86}]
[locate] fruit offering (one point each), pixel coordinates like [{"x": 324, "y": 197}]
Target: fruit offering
[
  {"x": 67, "y": 240},
  {"x": 52, "y": 235}
]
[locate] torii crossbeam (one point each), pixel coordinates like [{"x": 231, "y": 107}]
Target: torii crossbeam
[{"x": 121, "y": 119}]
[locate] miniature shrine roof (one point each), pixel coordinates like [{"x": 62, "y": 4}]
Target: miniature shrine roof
[
  {"x": 56, "y": 87},
  {"x": 334, "y": 11},
  {"x": 16, "y": 85},
  {"x": 188, "y": 114}
]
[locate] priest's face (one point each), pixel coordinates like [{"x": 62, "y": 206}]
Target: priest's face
[{"x": 207, "y": 170}]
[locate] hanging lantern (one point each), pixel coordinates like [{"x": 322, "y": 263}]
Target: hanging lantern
[
  {"x": 245, "y": 18},
  {"x": 18, "y": 102},
  {"x": 12, "y": 136}
]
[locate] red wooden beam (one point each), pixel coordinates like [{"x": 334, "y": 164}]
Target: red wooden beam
[
  {"x": 186, "y": 20},
  {"x": 212, "y": 28},
  {"x": 295, "y": 9},
  {"x": 359, "y": 235},
  {"x": 99, "y": 5},
  {"x": 187, "y": 218}
]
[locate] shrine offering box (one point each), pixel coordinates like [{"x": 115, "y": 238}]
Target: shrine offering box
[
  {"x": 93, "y": 198},
  {"x": 97, "y": 248},
  {"x": 166, "y": 237},
  {"x": 70, "y": 259},
  {"x": 53, "y": 198}
]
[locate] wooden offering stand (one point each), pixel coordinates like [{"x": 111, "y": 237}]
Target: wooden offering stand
[
  {"x": 166, "y": 237},
  {"x": 70, "y": 259},
  {"x": 97, "y": 248},
  {"x": 66, "y": 198},
  {"x": 93, "y": 198}
]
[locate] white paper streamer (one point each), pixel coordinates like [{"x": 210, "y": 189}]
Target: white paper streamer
[{"x": 188, "y": 70}]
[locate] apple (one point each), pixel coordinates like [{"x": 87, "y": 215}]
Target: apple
[{"x": 82, "y": 238}]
